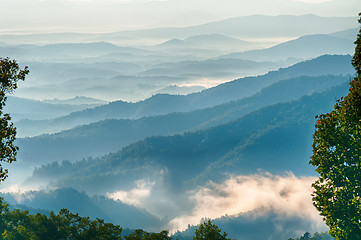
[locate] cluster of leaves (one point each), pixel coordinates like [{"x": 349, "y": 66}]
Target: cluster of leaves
[
  {"x": 10, "y": 74},
  {"x": 140, "y": 234},
  {"x": 337, "y": 157},
  {"x": 209, "y": 231},
  {"x": 317, "y": 236}
]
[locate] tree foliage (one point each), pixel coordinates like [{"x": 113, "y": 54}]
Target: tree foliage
[
  {"x": 140, "y": 234},
  {"x": 317, "y": 236},
  {"x": 337, "y": 157},
  {"x": 209, "y": 231},
  {"x": 10, "y": 74}
]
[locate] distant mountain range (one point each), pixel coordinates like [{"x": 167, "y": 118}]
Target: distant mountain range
[
  {"x": 21, "y": 108},
  {"x": 256, "y": 26},
  {"x": 135, "y": 72},
  {"x": 305, "y": 46},
  {"x": 164, "y": 104},
  {"x": 78, "y": 100},
  {"x": 66, "y": 50},
  {"x": 104, "y": 70},
  {"x": 216, "y": 42}
]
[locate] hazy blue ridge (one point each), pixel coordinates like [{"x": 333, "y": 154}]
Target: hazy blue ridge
[
  {"x": 347, "y": 34},
  {"x": 302, "y": 47},
  {"x": 211, "y": 42},
  {"x": 21, "y": 108},
  {"x": 67, "y": 50}
]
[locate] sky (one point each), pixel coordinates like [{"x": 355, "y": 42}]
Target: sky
[{"x": 115, "y": 15}]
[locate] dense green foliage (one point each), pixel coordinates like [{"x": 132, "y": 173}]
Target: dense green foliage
[
  {"x": 209, "y": 231},
  {"x": 10, "y": 74},
  {"x": 140, "y": 234},
  {"x": 337, "y": 156},
  {"x": 317, "y": 236}
]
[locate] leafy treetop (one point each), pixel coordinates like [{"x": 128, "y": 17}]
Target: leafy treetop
[{"x": 209, "y": 231}]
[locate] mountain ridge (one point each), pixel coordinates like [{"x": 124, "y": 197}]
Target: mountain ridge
[{"x": 304, "y": 47}]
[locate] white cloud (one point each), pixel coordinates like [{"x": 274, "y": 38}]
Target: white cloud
[
  {"x": 18, "y": 190},
  {"x": 136, "y": 195},
  {"x": 288, "y": 195}
]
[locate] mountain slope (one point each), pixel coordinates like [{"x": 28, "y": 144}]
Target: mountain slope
[{"x": 350, "y": 34}]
